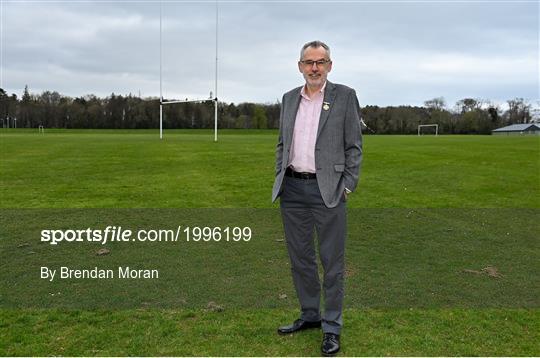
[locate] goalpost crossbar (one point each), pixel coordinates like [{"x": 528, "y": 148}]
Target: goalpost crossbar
[{"x": 190, "y": 100}]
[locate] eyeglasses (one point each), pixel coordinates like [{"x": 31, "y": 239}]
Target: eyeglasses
[{"x": 319, "y": 63}]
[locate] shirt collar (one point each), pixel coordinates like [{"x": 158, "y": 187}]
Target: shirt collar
[{"x": 303, "y": 90}]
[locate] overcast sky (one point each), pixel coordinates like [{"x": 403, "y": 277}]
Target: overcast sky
[{"x": 391, "y": 52}]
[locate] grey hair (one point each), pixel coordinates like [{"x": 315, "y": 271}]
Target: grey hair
[{"x": 315, "y": 44}]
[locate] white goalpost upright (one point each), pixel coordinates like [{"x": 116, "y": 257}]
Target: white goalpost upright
[
  {"x": 212, "y": 98},
  {"x": 420, "y": 126}
]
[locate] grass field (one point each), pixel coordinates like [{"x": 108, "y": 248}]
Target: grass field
[
  {"x": 111, "y": 169},
  {"x": 427, "y": 210}
]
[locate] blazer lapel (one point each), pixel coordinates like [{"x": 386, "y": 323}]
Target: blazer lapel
[
  {"x": 290, "y": 115},
  {"x": 329, "y": 96}
]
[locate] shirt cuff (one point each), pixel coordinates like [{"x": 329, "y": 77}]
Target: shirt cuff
[{"x": 348, "y": 191}]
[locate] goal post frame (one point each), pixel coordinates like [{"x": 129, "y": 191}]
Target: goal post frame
[
  {"x": 420, "y": 126},
  {"x": 162, "y": 102}
]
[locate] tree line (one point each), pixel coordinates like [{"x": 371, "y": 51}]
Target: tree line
[{"x": 53, "y": 110}]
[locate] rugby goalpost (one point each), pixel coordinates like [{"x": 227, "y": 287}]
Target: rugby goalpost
[
  {"x": 420, "y": 126},
  {"x": 162, "y": 102}
]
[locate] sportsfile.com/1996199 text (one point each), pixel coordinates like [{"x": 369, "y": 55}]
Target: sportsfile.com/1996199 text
[{"x": 119, "y": 234}]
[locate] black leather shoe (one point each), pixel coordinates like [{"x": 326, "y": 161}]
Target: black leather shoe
[
  {"x": 330, "y": 344},
  {"x": 298, "y": 325}
]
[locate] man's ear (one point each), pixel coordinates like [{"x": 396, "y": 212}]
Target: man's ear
[
  {"x": 330, "y": 66},
  {"x": 300, "y": 67}
]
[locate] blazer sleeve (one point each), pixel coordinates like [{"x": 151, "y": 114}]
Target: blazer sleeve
[{"x": 353, "y": 143}]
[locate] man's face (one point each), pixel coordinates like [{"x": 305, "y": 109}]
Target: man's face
[{"x": 315, "y": 74}]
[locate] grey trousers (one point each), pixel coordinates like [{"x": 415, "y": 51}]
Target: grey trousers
[{"x": 303, "y": 211}]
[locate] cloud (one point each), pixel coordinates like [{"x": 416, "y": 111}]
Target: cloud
[{"x": 391, "y": 52}]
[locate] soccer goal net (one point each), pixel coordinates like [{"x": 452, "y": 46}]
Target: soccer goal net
[{"x": 428, "y": 129}]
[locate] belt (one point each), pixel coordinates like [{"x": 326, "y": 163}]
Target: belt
[{"x": 291, "y": 173}]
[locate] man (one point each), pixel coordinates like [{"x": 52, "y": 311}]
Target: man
[{"x": 318, "y": 158}]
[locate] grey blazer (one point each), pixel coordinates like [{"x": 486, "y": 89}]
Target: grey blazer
[{"x": 338, "y": 149}]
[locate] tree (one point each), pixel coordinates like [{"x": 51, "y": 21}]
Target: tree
[
  {"x": 117, "y": 111},
  {"x": 493, "y": 111},
  {"x": 4, "y": 111},
  {"x": 260, "y": 120},
  {"x": 439, "y": 115},
  {"x": 518, "y": 111},
  {"x": 49, "y": 108},
  {"x": 435, "y": 104},
  {"x": 468, "y": 104},
  {"x": 26, "y": 115}
]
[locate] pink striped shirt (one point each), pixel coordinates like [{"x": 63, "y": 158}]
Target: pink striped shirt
[{"x": 302, "y": 156}]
